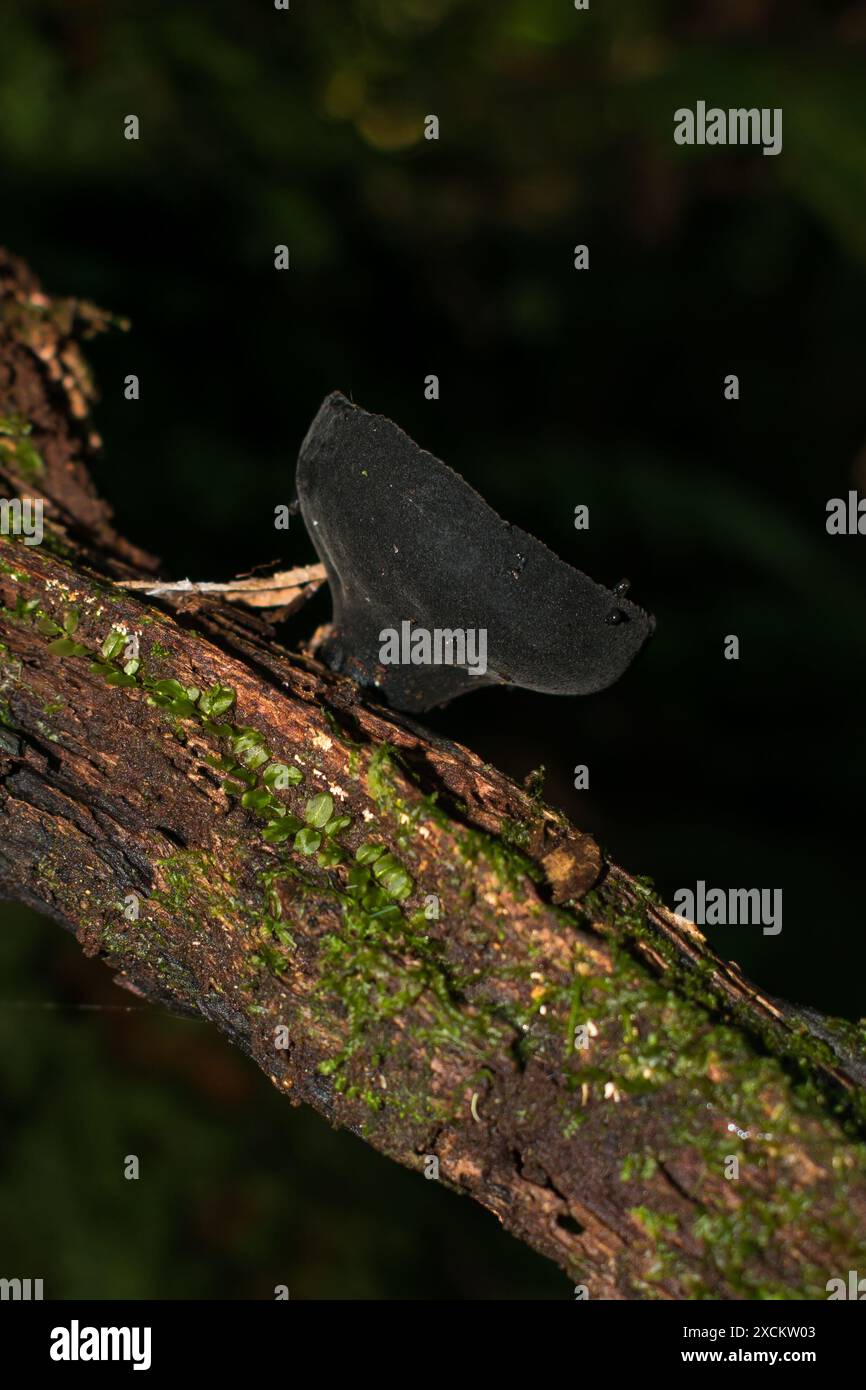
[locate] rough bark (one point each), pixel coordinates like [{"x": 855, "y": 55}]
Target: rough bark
[{"x": 435, "y": 1002}]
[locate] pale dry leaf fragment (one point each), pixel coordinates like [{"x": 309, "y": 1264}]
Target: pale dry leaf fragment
[{"x": 283, "y": 589}]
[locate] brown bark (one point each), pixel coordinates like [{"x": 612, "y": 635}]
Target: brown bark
[{"x": 456, "y": 1037}]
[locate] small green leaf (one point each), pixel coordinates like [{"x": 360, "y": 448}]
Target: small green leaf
[
  {"x": 258, "y": 799},
  {"x": 388, "y": 916},
  {"x": 222, "y": 763},
  {"x": 392, "y": 877},
  {"x": 307, "y": 841},
  {"x": 119, "y": 678},
  {"x": 329, "y": 856},
  {"x": 277, "y": 776},
  {"x": 172, "y": 689},
  {"x": 335, "y": 826},
  {"x": 217, "y": 730},
  {"x": 368, "y": 852},
  {"x": 357, "y": 879},
  {"x": 113, "y": 644},
  {"x": 64, "y": 646},
  {"x": 319, "y": 810},
  {"x": 397, "y": 883},
  {"x": 254, "y": 757},
  {"x": 132, "y": 667},
  {"x": 242, "y": 739},
  {"x": 71, "y": 619},
  {"x": 216, "y": 701},
  {"x": 48, "y": 627},
  {"x": 181, "y": 708},
  {"x": 384, "y": 864},
  {"x": 280, "y": 830}
]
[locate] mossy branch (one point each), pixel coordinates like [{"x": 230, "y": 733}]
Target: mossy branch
[{"x": 399, "y": 936}]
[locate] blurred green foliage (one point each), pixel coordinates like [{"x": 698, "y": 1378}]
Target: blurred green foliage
[{"x": 455, "y": 257}]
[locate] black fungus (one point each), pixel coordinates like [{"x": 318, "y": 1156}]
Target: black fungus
[{"x": 409, "y": 546}]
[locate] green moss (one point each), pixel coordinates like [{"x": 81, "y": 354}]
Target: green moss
[
  {"x": 510, "y": 868},
  {"x": 638, "y": 1166},
  {"x": 182, "y": 704},
  {"x": 515, "y": 833},
  {"x": 534, "y": 783},
  {"x": 195, "y": 881},
  {"x": 654, "y": 1223},
  {"x": 808, "y": 1058},
  {"x": 718, "y": 1080},
  {"x": 380, "y": 775},
  {"x": 15, "y": 443},
  {"x": 17, "y": 576},
  {"x": 675, "y": 1033},
  {"x": 382, "y": 967},
  {"x": 382, "y": 963}
]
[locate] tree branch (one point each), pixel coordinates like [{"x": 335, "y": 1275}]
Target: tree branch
[{"x": 395, "y": 932}]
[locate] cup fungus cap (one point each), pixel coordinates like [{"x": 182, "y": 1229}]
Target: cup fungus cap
[{"x": 405, "y": 540}]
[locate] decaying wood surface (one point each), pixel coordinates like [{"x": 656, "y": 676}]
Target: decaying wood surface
[{"x": 494, "y": 997}]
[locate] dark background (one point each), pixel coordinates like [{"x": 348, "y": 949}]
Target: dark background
[{"x": 606, "y": 388}]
